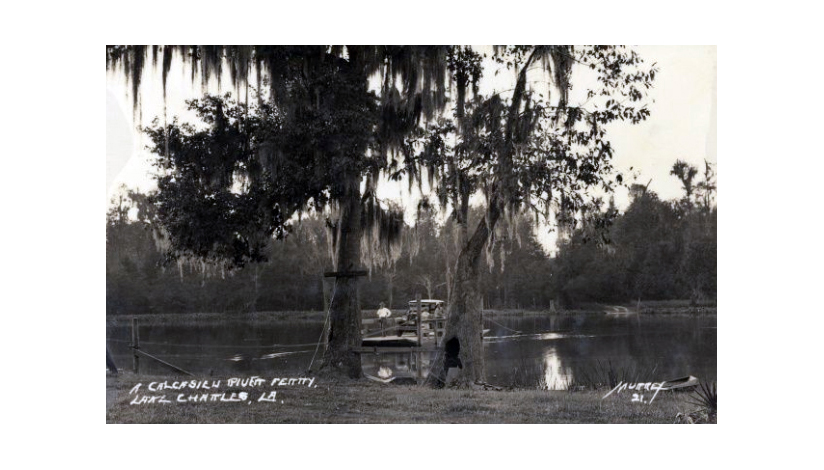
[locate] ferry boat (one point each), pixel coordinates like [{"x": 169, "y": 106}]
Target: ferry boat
[
  {"x": 402, "y": 347},
  {"x": 400, "y": 331}
]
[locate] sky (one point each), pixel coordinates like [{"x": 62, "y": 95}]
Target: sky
[{"x": 682, "y": 124}]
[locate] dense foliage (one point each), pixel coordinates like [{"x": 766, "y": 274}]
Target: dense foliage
[{"x": 654, "y": 250}]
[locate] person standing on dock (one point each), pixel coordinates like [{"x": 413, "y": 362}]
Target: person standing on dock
[{"x": 383, "y": 314}]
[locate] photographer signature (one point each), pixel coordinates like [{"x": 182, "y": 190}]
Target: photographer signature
[{"x": 638, "y": 387}]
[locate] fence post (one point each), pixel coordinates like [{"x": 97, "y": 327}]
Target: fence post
[
  {"x": 418, "y": 323},
  {"x": 419, "y": 357},
  {"x": 110, "y": 365},
  {"x": 135, "y": 346}
]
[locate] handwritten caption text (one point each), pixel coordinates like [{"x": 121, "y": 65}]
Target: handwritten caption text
[{"x": 233, "y": 390}]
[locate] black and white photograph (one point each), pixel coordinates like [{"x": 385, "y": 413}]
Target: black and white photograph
[
  {"x": 411, "y": 234},
  {"x": 470, "y": 247}
]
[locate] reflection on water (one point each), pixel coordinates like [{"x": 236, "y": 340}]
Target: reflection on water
[
  {"x": 394, "y": 365},
  {"x": 547, "y": 351},
  {"x": 533, "y": 337},
  {"x": 554, "y": 376},
  {"x": 570, "y": 347}
]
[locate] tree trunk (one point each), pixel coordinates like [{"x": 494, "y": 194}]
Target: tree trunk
[
  {"x": 256, "y": 284},
  {"x": 462, "y": 347},
  {"x": 390, "y": 287},
  {"x": 344, "y": 311},
  {"x": 428, "y": 284},
  {"x": 448, "y": 280}
]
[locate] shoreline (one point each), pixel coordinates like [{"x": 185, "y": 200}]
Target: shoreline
[{"x": 301, "y": 316}]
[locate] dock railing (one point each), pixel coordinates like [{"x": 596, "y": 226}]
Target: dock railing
[{"x": 432, "y": 328}]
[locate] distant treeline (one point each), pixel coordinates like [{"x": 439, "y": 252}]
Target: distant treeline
[
  {"x": 140, "y": 279},
  {"x": 655, "y": 250}
]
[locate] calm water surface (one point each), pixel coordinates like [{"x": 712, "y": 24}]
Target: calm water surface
[{"x": 529, "y": 350}]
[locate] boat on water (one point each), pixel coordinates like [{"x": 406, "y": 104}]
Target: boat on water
[
  {"x": 402, "y": 331},
  {"x": 680, "y": 383}
]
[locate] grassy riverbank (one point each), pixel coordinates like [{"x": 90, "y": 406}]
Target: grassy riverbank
[{"x": 369, "y": 402}]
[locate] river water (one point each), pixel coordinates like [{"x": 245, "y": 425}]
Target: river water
[{"x": 530, "y": 350}]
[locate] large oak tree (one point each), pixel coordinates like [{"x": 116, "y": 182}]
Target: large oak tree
[
  {"x": 524, "y": 149},
  {"x": 321, "y": 130}
]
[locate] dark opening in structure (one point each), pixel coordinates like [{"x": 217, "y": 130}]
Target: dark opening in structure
[{"x": 452, "y": 350}]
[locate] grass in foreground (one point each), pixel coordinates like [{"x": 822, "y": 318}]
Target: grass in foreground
[{"x": 369, "y": 402}]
